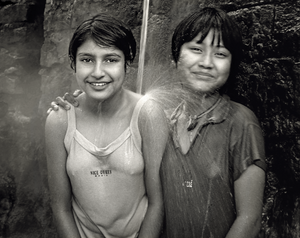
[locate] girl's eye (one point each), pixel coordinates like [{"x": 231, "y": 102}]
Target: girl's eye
[
  {"x": 111, "y": 60},
  {"x": 221, "y": 55},
  {"x": 196, "y": 50},
  {"x": 86, "y": 60}
]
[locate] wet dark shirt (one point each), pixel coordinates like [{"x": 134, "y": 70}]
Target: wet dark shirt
[{"x": 198, "y": 183}]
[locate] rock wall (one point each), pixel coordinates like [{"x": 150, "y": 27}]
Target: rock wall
[
  {"x": 269, "y": 85},
  {"x": 23, "y": 207},
  {"x": 34, "y": 70}
]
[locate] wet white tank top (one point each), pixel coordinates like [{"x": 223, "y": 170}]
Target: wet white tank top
[{"x": 107, "y": 183}]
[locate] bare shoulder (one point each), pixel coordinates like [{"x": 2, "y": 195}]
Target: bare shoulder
[
  {"x": 55, "y": 132},
  {"x": 152, "y": 115},
  {"x": 150, "y": 111},
  {"x": 57, "y": 121},
  {"x": 151, "y": 108}
]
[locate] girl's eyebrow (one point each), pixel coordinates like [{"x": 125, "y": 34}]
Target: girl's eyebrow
[
  {"x": 105, "y": 55},
  {"x": 84, "y": 54},
  {"x": 113, "y": 54}
]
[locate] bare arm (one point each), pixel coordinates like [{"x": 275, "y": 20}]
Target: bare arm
[
  {"x": 59, "y": 185},
  {"x": 154, "y": 132},
  {"x": 248, "y": 191}
]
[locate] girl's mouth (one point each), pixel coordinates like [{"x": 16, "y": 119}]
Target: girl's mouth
[{"x": 99, "y": 84}]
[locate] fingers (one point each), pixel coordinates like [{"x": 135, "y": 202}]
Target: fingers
[
  {"x": 60, "y": 101},
  {"x": 49, "y": 110},
  {"x": 53, "y": 107},
  {"x": 77, "y": 93},
  {"x": 70, "y": 98}
]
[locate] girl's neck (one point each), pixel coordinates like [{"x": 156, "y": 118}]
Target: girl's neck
[
  {"x": 202, "y": 102},
  {"x": 108, "y": 107}
]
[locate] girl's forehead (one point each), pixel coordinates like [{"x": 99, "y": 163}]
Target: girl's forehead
[
  {"x": 93, "y": 49},
  {"x": 91, "y": 44}
]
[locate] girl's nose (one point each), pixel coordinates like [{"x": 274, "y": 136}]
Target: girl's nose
[
  {"x": 206, "y": 60},
  {"x": 98, "y": 71}
]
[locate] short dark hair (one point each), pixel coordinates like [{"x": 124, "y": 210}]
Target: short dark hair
[
  {"x": 105, "y": 30},
  {"x": 203, "y": 21}
]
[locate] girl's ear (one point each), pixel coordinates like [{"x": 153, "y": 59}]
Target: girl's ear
[{"x": 72, "y": 63}]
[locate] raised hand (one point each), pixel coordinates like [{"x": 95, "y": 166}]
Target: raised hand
[{"x": 61, "y": 101}]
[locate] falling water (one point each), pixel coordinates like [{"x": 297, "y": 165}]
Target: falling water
[{"x": 142, "y": 47}]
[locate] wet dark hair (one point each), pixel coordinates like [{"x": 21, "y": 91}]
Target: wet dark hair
[
  {"x": 106, "y": 31},
  {"x": 203, "y": 21}
]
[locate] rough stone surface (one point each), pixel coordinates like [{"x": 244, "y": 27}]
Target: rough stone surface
[
  {"x": 34, "y": 69},
  {"x": 23, "y": 204}
]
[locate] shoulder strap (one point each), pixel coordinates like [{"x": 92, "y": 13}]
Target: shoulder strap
[
  {"x": 71, "y": 127},
  {"x": 134, "y": 122}
]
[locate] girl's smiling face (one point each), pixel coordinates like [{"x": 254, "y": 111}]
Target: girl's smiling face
[
  {"x": 205, "y": 65},
  {"x": 100, "y": 71}
]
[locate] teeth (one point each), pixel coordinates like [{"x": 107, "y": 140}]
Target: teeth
[{"x": 98, "y": 84}]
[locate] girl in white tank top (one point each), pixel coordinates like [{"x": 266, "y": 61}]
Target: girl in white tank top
[{"x": 104, "y": 155}]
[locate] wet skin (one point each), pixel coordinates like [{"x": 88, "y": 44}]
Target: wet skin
[{"x": 205, "y": 65}]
